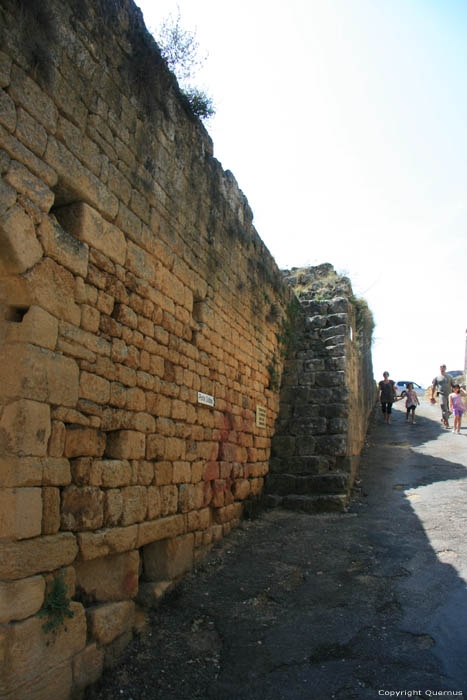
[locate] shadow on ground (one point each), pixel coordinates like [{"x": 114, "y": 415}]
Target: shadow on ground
[{"x": 356, "y": 605}]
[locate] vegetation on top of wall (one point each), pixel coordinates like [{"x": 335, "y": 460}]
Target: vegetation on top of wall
[
  {"x": 180, "y": 50},
  {"x": 319, "y": 283}
]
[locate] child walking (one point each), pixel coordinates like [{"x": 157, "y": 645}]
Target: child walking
[
  {"x": 456, "y": 406},
  {"x": 411, "y": 402}
]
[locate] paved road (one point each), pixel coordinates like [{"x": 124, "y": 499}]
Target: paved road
[{"x": 365, "y": 604}]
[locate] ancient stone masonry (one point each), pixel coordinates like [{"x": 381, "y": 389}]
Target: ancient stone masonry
[
  {"x": 327, "y": 395},
  {"x": 137, "y": 331},
  {"x": 141, "y": 339}
]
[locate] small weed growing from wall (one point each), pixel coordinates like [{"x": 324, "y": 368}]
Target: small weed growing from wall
[
  {"x": 274, "y": 377},
  {"x": 56, "y": 606}
]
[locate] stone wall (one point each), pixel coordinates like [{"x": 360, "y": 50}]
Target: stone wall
[
  {"x": 132, "y": 283},
  {"x": 327, "y": 395},
  {"x": 142, "y": 338}
]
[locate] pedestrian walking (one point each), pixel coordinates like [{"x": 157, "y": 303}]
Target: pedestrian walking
[
  {"x": 442, "y": 385},
  {"x": 456, "y": 406},
  {"x": 411, "y": 402},
  {"x": 387, "y": 396}
]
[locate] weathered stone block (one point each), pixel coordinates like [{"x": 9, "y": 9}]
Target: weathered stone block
[
  {"x": 241, "y": 489},
  {"x": 64, "y": 248},
  {"x": 126, "y": 444},
  {"x": 28, "y": 94},
  {"x": 94, "y": 388},
  {"x": 110, "y": 620},
  {"x": 21, "y": 178},
  {"x": 7, "y": 111},
  {"x": 20, "y": 513},
  {"x": 168, "y": 558},
  {"x": 30, "y": 132},
  {"x": 28, "y": 557},
  {"x": 21, "y": 599},
  {"x": 37, "y": 327},
  {"x": 56, "y": 472},
  {"x": 88, "y": 666},
  {"x": 20, "y": 248},
  {"x": 87, "y": 225},
  {"x": 52, "y": 287},
  {"x": 50, "y": 510},
  {"x": 33, "y": 653},
  {"x": 84, "y": 442},
  {"x": 82, "y": 508},
  {"x": 151, "y": 531},
  {"x": 25, "y": 428},
  {"x": 135, "y": 504},
  {"x": 107, "y": 541},
  {"x": 109, "y": 578}
]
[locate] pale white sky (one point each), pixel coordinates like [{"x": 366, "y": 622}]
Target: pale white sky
[{"x": 344, "y": 123}]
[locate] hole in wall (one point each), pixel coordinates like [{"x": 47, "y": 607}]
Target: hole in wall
[{"x": 15, "y": 314}]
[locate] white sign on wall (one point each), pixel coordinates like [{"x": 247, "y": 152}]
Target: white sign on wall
[{"x": 206, "y": 399}]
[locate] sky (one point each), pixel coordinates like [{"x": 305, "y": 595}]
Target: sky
[{"x": 344, "y": 124}]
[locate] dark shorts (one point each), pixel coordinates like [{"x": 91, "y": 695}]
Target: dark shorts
[
  {"x": 410, "y": 408},
  {"x": 386, "y": 406}
]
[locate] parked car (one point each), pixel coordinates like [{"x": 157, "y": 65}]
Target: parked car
[{"x": 402, "y": 386}]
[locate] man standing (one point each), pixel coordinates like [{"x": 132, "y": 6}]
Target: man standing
[{"x": 442, "y": 384}]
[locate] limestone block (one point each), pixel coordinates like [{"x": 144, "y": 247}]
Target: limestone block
[
  {"x": 21, "y": 154},
  {"x": 7, "y": 111},
  {"x": 94, "y": 343},
  {"x": 88, "y": 666},
  {"x": 135, "y": 504},
  {"x": 7, "y": 197},
  {"x": 110, "y": 620},
  {"x": 94, "y": 388},
  {"x": 5, "y": 68},
  {"x": 191, "y": 497},
  {"x": 22, "y": 179},
  {"x": 84, "y": 442},
  {"x": 28, "y": 557},
  {"x": 102, "y": 543},
  {"x": 62, "y": 247},
  {"x": 141, "y": 422},
  {"x": 20, "y": 513},
  {"x": 20, "y": 248},
  {"x": 37, "y": 327},
  {"x": 141, "y": 263},
  {"x": 56, "y": 472},
  {"x": 29, "y": 95},
  {"x": 241, "y": 489},
  {"x": 154, "y": 530},
  {"x": 168, "y": 558},
  {"x": 126, "y": 444},
  {"x": 82, "y": 508},
  {"x": 30, "y": 132},
  {"x": 90, "y": 319},
  {"x": 56, "y": 684},
  {"x": 169, "y": 499},
  {"x": 87, "y": 225},
  {"x": 25, "y": 428},
  {"x": 50, "y": 510},
  {"x": 21, "y": 599},
  {"x": 20, "y": 471},
  {"x": 77, "y": 179},
  {"x": 181, "y": 472},
  {"x": 331, "y": 445},
  {"x": 114, "y": 472},
  {"x": 199, "y": 519},
  {"x": 57, "y": 439},
  {"x": 32, "y": 653},
  {"x": 52, "y": 287},
  {"x": 154, "y": 502},
  {"x": 109, "y": 578}
]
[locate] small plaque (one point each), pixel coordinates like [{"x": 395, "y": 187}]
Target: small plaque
[
  {"x": 260, "y": 416},
  {"x": 206, "y": 399}
]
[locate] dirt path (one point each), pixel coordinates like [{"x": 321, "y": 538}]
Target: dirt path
[{"x": 316, "y": 607}]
